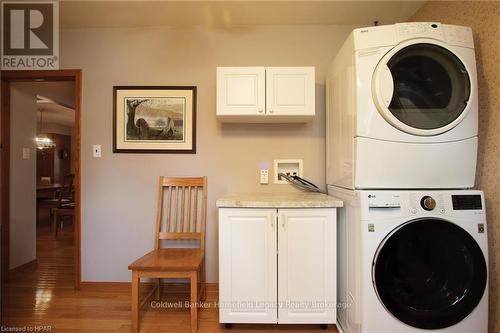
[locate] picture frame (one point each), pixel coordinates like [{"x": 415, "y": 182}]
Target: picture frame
[{"x": 154, "y": 119}]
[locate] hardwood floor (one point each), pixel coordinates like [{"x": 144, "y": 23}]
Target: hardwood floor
[{"x": 42, "y": 294}]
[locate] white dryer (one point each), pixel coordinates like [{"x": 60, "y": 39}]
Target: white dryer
[
  {"x": 402, "y": 108},
  {"x": 412, "y": 262}
]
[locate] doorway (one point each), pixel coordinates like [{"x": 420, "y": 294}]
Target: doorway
[{"x": 8, "y": 79}]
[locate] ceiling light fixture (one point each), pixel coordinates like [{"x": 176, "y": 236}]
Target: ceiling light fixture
[{"x": 42, "y": 141}]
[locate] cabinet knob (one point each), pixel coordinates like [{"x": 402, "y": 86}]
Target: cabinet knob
[
  {"x": 260, "y": 110},
  {"x": 271, "y": 111}
]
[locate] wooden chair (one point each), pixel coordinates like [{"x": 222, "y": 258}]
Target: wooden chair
[
  {"x": 60, "y": 212},
  {"x": 183, "y": 221},
  {"x": 65, "y": 196}
]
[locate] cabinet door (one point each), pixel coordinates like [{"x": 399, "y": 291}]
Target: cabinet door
[
  {"x": 240, "y": 91},
  {"x": 307, "y": 266},
  {"x": 290, "y": 91},
  {"x": 247, "y": 265}
]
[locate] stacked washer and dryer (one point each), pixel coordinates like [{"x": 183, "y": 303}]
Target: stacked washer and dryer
[{"x": 402, "y": 125}]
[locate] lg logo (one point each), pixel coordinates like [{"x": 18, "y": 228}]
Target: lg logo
[{"x": 30, "y": 35}]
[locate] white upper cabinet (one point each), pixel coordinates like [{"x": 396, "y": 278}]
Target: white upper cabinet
[
  {"x": 290, "y": 91},
  {"x": 265, "y": 94},
  {"x": 240, "y": 91}
]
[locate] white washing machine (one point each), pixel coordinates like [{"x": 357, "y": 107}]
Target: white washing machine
[
  {"x": 412, "y": 261},
  {"x": 402, "y": 108}
]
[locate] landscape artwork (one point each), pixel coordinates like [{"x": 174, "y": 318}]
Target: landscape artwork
[
  {"x": 154, "y": 119},
  {"x": 160, "y": 118}
]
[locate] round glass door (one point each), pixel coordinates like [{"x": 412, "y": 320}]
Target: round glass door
[
  {"x": 429, "y": 273},
  {"x": 430, "y": 87}
]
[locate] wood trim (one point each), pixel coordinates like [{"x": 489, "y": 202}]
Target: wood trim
[
  {"x": 33, "y": 76},
  {"x": 42, "y": 75},
  {"x": 78, "y": 175},
  {"x": 4, "y": 177},
  {"x": 23, "y": 266},
  {"x": 180, "y": 287}
]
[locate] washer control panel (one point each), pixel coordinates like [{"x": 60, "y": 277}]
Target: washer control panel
[{"x": 385, "y": 204}]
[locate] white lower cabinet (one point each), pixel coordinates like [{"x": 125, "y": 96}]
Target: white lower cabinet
[
  {"x": 277, "y": 265},
  {"x": 247, "y": 265}
]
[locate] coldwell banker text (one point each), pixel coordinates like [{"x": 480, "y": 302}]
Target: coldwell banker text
[{"x": 30, "y": 35}]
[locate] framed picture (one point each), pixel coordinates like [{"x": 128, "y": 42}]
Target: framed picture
[{"x": 154, "y": 119}]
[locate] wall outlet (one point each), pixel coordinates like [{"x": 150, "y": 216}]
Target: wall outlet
[
  {"x": 288, "y": 167},
  {"x": 264, "y": 176},
  {"x": 96, "y": 151}
]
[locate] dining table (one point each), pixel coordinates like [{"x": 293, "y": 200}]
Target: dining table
[{"x": 47, "y": 191}]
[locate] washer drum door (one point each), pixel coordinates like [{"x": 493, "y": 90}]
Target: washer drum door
[
  {"x": 429, "y": 273},
  {"x": 421, "y": 87}
]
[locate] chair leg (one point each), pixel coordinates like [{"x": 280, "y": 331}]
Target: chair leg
[
  {"x": 54, "y": 223},
  {"x": 202, "y": 293},
  {"x": 50, "y": 214},
  {"x": 135, "y": 301},
  {"x": 194, "y": 299}
]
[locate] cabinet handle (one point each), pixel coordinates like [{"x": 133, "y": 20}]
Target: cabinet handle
[
  {"x": 260, "y": 110},
  {"x": 271, "y": 111},
  {"x": 282, "y": 221}
]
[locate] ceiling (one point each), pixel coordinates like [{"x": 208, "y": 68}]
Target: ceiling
[
  {"x": 227, "y": 14},
  {"x": 55, "y": 113}
]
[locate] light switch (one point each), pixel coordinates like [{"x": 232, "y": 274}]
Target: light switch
[
  {"x": 96, "y": 150},
  {"x": 26, "y": 153}
]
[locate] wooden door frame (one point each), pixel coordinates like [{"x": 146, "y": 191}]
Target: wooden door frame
[{"x": 7, "y": 77}]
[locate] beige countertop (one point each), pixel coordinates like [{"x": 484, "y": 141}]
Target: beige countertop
[{"x": 278, "y": 200}]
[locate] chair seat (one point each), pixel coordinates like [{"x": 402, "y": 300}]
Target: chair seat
[
  {"x": 68, "y": 205},
  {"x": 53, "y": 202},
  {"x": 177, "y": 259},
  {"x": 64, "y": 211}
]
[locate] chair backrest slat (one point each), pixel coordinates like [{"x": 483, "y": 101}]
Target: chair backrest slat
[
  {"x": 195, "y": 213},
  {"x": 176, "y": 206},
  {"x": 182, "y": 208},
  {"x": 169, "y": 201},
  {"x": 189, "y": 210},
  {"x": 180, "y": 220}
]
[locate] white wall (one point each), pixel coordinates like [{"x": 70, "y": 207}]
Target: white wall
[
  {"x": 119, "y": 190},
  {"x": 22, "y": 175}
]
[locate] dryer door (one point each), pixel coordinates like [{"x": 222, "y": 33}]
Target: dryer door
[
  {"x": 421, "y": 88},
  {"x": 429, "y": 273}
]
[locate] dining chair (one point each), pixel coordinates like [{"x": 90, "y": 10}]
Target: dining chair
[
  {"x": 179, "y": 218},
  {"x": 60, "y": 212},
  {"x": 64, "y": 196}
]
